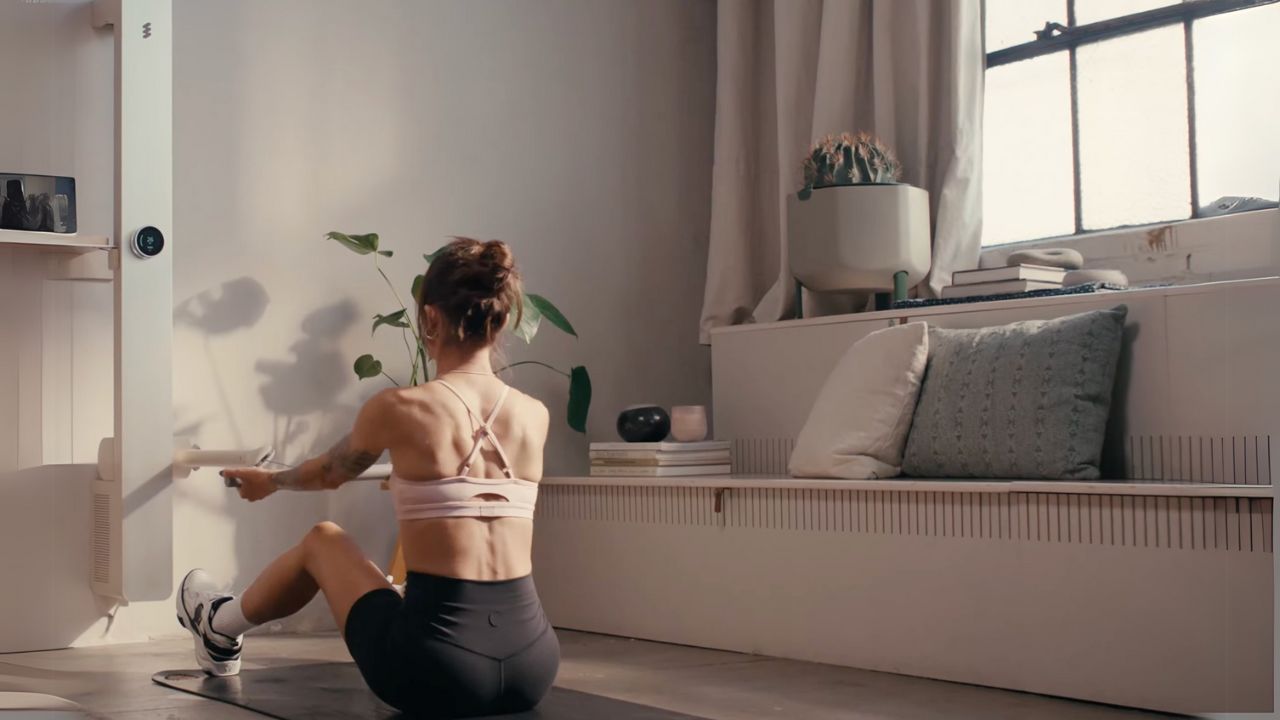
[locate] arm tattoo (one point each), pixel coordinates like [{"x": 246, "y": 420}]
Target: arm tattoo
[
  {"x": 328, "y": 471},
  {"x": 343, "y": 463},
  {"x": 290, "y": 479}
]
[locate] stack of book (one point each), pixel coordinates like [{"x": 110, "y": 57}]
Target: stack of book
[
  {"x": 1003, "y": 281},
  {"x": 660, "y": 459}
]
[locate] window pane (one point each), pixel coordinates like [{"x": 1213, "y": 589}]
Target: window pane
[
  {"x": 1013, "y": 22},
  {"x": 1237, "y": 103},
  {"x": 1134, "y": 159},
  {"x": 1026, "y": 177},
  {"x": 1088, "y": 11}
]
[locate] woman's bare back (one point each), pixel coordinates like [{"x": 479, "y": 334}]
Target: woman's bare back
[{"x": 431, "y": 440}]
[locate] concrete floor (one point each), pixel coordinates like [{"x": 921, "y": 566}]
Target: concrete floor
[{"x": 115, "y": 682}]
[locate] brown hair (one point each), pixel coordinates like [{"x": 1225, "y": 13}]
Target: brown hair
[{"x": 476, "y": 286}]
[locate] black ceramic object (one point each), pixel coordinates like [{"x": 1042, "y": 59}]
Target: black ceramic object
[{"x": 644, "y": 423}]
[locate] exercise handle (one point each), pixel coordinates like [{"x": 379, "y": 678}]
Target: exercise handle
[{"x": 197, "y": 458}]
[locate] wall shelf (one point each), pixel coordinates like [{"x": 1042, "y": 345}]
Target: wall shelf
[
  {"x": 55, "y": 241},
  {"x": 1144, "y": 488}
]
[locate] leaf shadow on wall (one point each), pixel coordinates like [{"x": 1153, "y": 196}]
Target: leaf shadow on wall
[
  {"x": 303, "y": 392},
  {"x": 312, "y": 380},
  {"x": 234, "y": 305}
]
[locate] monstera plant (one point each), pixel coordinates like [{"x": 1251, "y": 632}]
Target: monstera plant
[{"x": 536, "y": 309}]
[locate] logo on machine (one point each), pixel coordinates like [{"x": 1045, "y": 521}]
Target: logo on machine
[{"x": 146, "y": 30}]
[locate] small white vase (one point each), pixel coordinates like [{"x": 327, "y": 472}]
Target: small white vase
[{"x": 689, "y": 423}]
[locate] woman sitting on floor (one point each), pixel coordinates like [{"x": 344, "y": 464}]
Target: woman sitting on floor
[{"x": 469, "y": 636}]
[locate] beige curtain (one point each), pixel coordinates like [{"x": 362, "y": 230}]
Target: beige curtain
[{"x": 790, "y": 71}]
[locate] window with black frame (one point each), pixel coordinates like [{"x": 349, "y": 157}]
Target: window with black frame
[{"x": 1109, "y": 113}]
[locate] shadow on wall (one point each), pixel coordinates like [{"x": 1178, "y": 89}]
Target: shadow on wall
[
  {"x": 185, "y": 426},
  {"x": 312, "y": 380},
  {"x": 1113, "y": 466},
  {"x": 303, "y": 393},
  {"x": 234, "y": 305}
]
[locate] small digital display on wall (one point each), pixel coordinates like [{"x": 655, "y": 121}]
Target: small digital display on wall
[{"x": 37, "y": 203}]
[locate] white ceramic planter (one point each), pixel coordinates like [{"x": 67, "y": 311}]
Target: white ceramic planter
[{"x": 855, "y": 237}]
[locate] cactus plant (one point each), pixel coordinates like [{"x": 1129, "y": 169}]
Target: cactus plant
[{"x": 848, "y": 159}]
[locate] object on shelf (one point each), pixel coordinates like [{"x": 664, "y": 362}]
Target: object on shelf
[
  {"x": 689, "y": 423},
  {"x": 1076, "y": 290},
  {"x": 37, "y": 203},
  {"x": 1231, "y": 205},
  {"x": 643, "y": 423},
  {"x": 853, "y": 226},
  {"x": 1064, "y": 258},
  {"x": 660, "y": 459},
  {"x": 1004, "y": 287},
  {"x": 659, "y": 471},
  {"x": 1039, "y": 273},
  {"x": 1107, "y": 277},
  {"x": 646, "y": 447}
]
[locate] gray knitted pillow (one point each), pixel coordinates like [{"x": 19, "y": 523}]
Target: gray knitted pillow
[{"x": 1025, "y": 400}]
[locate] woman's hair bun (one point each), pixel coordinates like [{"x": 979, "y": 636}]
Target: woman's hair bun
[{"x": 476, "y": 286}]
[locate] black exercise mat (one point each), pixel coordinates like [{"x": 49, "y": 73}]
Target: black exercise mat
[{"x": 324, "y": 691}]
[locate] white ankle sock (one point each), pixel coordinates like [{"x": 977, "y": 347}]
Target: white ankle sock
[{"x": 229, "y": 620}]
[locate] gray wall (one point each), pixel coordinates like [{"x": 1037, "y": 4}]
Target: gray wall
[{"x": 578, "y": 131}]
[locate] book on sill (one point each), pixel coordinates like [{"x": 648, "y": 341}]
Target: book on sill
[
  {"x": 657, "y": 471},
  {"x": 662, "y": 460},
  {"x": 665, "y": 446},
  {"x": 1038, "y": 273},
  {"x": 997, "y": 288}
]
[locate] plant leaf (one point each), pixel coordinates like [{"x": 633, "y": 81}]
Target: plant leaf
[
  {"x": 529, "y": 323},
  {"x": 579, "y": 398},
  {"x": 395, "y": 319},
  {"x": 385, "y": 253},
  {"x": 359, "y": 244},
  {"x": 417, "y": 288},
  {"x": 431, "y": 256},
  {"x": 549, "y": 311},
  {"x": 366, "y": 367}
]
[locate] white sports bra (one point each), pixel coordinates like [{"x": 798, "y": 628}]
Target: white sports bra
[{"x": 456, "y": 496}]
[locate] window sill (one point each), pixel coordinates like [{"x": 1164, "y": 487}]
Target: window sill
[{"x": 1230, "y": 247}]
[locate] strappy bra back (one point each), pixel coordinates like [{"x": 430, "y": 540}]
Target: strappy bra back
[{"x": 459, "y": 495}]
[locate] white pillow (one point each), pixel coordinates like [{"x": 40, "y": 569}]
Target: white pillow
[{"x": 858, "y": 426}]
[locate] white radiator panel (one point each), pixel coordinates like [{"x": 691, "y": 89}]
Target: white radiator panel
[
  {"x": 1156, "y": 602},
  {"x": 104, "y": 569},
  {"x": 1239, "y": 460},
  {"x": 762, "y": 456},
  {"x": 1223, "y": 524},
  {"x": 1227, "y": 460}
]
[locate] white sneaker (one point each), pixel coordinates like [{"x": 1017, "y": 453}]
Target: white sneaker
[{"x": 218, "y": 654}]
